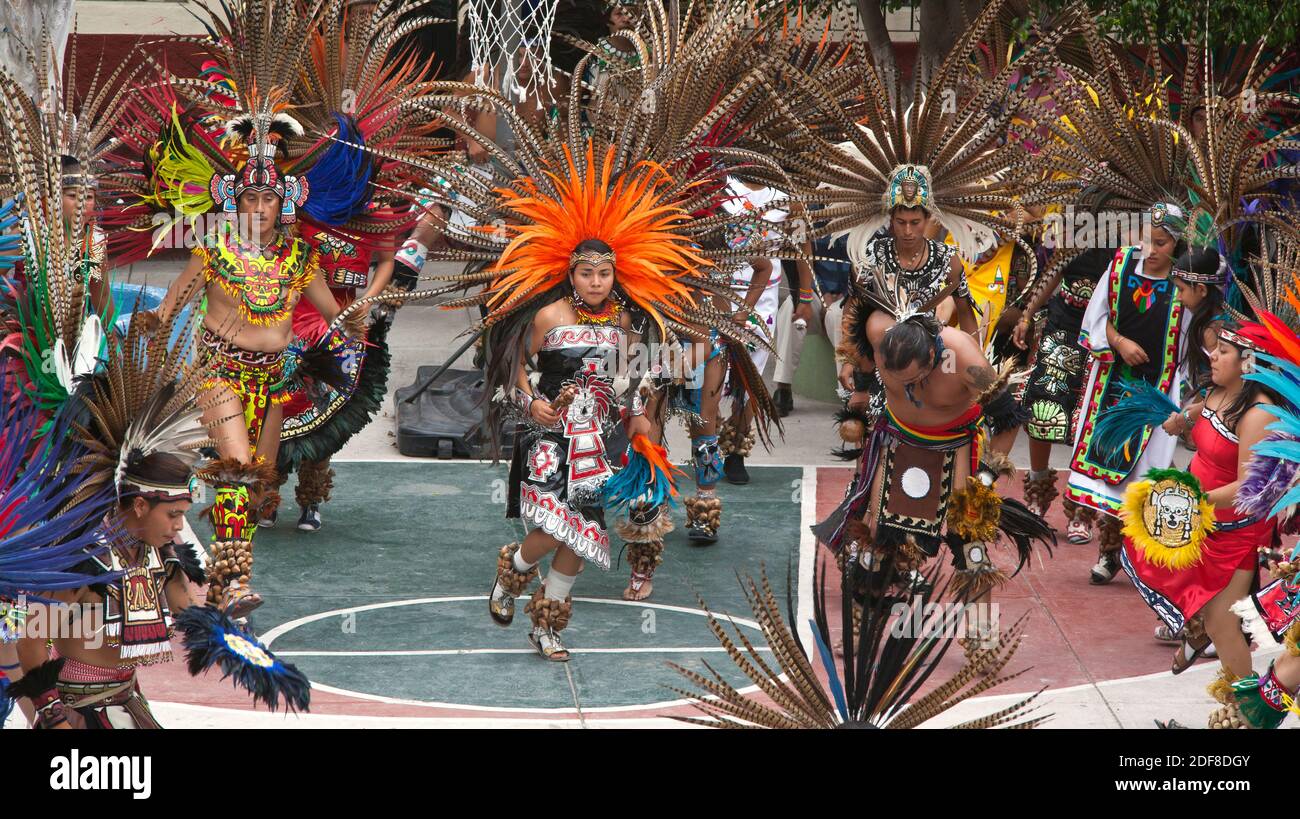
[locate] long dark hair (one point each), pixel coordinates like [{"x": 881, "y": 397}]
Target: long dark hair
[
  {"x": 158, "y": 467},
  {"x": 912, "y": 340},
  {"x": 1250, "y": 395},
  {"x": 1202, "y": 261}
]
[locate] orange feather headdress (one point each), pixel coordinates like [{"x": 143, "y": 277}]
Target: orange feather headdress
[{"x": 634, "y": 213}]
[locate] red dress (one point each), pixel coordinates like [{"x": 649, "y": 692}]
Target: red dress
[{"x": 1178, "y": 594}]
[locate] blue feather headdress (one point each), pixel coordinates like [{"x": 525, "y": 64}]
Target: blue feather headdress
[
  {"x": 1272, "y": 483},
  {"x": 47, "y": 523},
  {"x": 212, "y": 639},
  {"x": 340, "y": 179}
]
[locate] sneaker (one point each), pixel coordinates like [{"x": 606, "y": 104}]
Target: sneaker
[
  {"x": 700, "y": 535},
  {"x": 1105, "y": 570},
  {"x": 1079, "y": 532},
  {"x": 783, "y": 400},
  {"x": 1036, "y": 509},
  {"x": 734, "y": 469},
  {"x": 268, "y": 521},
  {"x": 310, "y": 520}
]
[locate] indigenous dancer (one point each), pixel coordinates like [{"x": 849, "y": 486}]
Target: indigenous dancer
[
  {"x": 142, "y": 433},
  {"x": 573, "y": 408},
  {"x": 1052, "y": 391},
  {"x": 902, "y": 171},
  {"x": 124, "y": 435},
  {"x": 1204, "y": 582},
  {"x": 138, "y": 584},
  {"x": 49, "y": 524},
  {"x": 915, "y": 172},
  {"x": 1134, "y": 328},
  {"x": 1270, "y": 357},
  {"x": 250, "y": 268},
  {"x": 921, "y": 470},
  {"x": 1135, "y": 325},
  {"x": 654, "y": 256}
]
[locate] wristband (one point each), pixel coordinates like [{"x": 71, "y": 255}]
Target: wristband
[
  {"x": 523, "y": 400},
  {"x": 806, "y": 296},
  {"x": 50, "y": 711}
]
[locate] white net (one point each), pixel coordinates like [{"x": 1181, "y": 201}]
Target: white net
[{"x": 510, "y": 46}]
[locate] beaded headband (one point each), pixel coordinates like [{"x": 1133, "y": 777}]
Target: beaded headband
[
  {"x": 592, "y": 257},
  {"x": 1219, "y": 276},
  {"x": 166, "y": 493}
]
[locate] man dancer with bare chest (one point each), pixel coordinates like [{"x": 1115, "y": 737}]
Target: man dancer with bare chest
[{"x": 920, "y": 481}]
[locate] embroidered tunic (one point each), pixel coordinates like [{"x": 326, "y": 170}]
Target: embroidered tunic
[
  {"x": 262, "y": 283},
  {"x": 1148, "y": 312},
  {"x": 1052, "y": 393},
  {"x": 559, "y": 472},
  {"x": 924, "y": 283},
  {"x": 136, "y": 616}
]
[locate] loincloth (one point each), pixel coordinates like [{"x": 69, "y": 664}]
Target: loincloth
[{"x": 256, "y": 378}]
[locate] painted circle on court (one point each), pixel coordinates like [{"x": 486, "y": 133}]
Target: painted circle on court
[{"x": 515, "y": 671}]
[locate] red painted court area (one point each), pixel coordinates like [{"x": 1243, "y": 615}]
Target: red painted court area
[{"x": 1076, "y": 633}]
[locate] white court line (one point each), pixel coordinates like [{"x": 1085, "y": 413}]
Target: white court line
[
  {"x": 452, "y": 652},
  {"x": 807, "y": 556},
  {"x": 281, "y": 630}
]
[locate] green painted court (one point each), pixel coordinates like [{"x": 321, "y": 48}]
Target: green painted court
[{"x": 388, "y": 600}]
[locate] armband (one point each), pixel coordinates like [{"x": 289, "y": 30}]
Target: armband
[{"x": 1003, "y": 412}]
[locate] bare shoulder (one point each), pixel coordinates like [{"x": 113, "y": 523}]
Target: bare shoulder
[
  {"x": 551, "y": 315},
  {"x": 1257, "y": 417},
  {"x": 878, "y": 323},
  {"x": 963, "y": 345},
  {"x": 968, "y": 359}
]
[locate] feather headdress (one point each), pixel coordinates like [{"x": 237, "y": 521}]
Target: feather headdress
[
  {"x": 142, "y": 403},
  {"x": 642, "y": 162},
  {"x": 188, "y": 150},
  {"x": 44, "y": 140},
  {"x": 1272, "y": 483},
  {"x": 48, "y": 522},
  {"x": 938, "y": 145},
  {"x": 356, "y": 95},
  {"x": 877, "y": 685}
]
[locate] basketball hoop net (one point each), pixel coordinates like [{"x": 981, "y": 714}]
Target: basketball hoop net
[{"x": 510, "y": 46}]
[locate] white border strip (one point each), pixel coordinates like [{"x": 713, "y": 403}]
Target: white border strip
[{"x": 807, "y": 557}]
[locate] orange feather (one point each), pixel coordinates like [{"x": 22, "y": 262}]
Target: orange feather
[
  {"x": 657, "y": 456},
  {"x": 632, "y": 214}
]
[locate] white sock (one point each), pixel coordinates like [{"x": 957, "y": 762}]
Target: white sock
[
  {"x": 558, "y": 585},
  {"x": 522, "y": 566}
]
